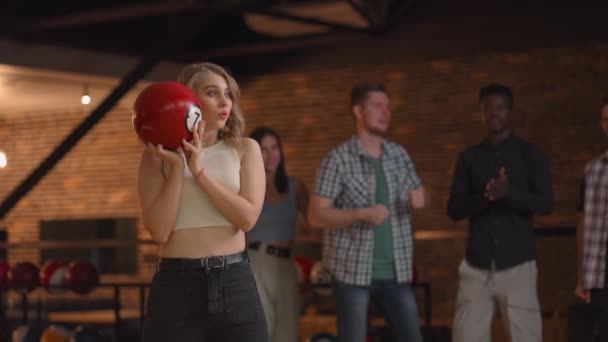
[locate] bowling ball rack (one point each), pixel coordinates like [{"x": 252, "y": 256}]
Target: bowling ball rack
[
  {"x": 142, "y": 286},
  {"x": 116, "y": 286}
]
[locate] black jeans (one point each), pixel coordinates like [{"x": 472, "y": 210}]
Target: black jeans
[{"x": 194, "y": 304}]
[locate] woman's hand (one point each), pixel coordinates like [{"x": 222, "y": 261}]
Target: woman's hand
[
  {"x": 174, "y": 158},
  {"x": 194, "y": 150}
]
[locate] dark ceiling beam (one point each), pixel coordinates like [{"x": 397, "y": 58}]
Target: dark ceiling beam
[
  {"x": 375, "y": 11},
  {"x": 362, "y": 12},
  {"x": 279, "y": 14},
  {"x": 136, "y": 74},
  {"x": 9, "y": 8},
  {"x": 382, "y": 14},
  {"x": 127, "y": 12},
  {"x": 401, "y": 11},
  {"x": 8, "y": 14},
  {"x": 146, "y": 64},
  {"x": 286, "y": 44}
]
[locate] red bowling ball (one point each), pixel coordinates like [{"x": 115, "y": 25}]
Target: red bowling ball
[
  {"x": 304, "y": 266},
  {"x": 52, "y": 275},
  {"x": 82, "y": 277},
  {"x": 165, "y": 113},
  {"x": 4, "y": 268},
  {"x": 23, "y": 277}
]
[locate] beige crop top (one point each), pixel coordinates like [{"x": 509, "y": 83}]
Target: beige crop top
[{"x": 223, "y": 164}]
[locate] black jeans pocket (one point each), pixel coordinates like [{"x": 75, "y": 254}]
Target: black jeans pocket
[
  {"x": 242, "y": 300},
  {"x": 172, "y": 309}
]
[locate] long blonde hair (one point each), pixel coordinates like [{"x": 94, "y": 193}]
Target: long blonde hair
[{"x": 192, "y": 75}]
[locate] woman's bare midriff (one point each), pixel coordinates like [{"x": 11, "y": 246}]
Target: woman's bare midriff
[{"x": 203, "y": 242}]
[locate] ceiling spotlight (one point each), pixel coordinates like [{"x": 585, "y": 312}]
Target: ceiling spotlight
[
  {"x": 3, "y": 160},
  {"x": 85, "y": 99}
]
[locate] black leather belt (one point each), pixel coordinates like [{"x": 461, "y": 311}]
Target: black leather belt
[
  {"x": 211, "y": 263},
  {"x": 281, "y": 252}
]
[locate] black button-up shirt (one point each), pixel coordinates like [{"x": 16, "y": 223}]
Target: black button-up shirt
[{"x": 501, "y": 232}]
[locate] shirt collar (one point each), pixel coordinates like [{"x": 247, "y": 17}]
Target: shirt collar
[
  {"x": 508, "y": 141},
  {"x": 358, "y": 149}
]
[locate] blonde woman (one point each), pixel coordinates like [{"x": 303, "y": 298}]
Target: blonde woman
[{"x": 198, "y": 203}]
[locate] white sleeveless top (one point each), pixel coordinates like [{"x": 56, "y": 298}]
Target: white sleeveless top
[{"x": 223, "y": 164}]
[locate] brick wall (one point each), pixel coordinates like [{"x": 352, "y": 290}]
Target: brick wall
[
  {"x": 433, "y": 73},
  {"x": 435, "y": 115}
]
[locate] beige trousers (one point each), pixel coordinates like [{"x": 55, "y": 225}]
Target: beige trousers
[
  {"x": 277, "y": 282},
  {"x": 514, "y": 292}
]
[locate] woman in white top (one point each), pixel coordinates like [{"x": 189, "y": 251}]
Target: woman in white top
[{"x": 197, "y": 203}]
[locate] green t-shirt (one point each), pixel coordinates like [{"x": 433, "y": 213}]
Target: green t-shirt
[{"x": 383, "y": 264}]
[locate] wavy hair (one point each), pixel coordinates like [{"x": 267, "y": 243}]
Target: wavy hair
[{"x": 193, "y": 74}]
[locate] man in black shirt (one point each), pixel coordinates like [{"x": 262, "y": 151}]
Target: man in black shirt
[{"x": 498, "y": 186}]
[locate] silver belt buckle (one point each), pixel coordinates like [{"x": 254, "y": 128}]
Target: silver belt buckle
[{"x": 213, "y": 263}]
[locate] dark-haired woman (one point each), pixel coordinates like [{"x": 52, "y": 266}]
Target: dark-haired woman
[{"x": 270, "y": 240}]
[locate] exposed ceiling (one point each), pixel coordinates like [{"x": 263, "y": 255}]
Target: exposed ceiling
[
  {"x": 189, "y": 27},
  {"x": 67, "y": 35},
  {"x": 53, "y": 48}
]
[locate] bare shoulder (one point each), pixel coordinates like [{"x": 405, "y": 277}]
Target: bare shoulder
[
  {"x": 247, "y": 142},
  {"x": 248, "y": 146}
]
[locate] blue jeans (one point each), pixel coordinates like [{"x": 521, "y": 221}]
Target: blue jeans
[{"x": 396, "y": 301}]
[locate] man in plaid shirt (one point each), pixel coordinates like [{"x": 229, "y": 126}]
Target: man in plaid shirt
[
  {"x": 592, "y": 282},
  {"x": 363, "y": 192}
]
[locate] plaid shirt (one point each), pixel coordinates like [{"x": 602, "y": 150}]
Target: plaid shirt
[
  {"x": 347, "y": 176},
  {"x": 596, "y": 222}
]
